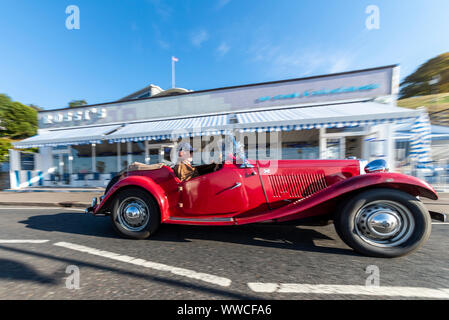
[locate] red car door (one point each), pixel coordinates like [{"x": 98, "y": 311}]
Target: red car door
[{"x": 217, "y": 193}]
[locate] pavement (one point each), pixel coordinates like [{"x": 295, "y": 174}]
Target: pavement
[
  {"x": 62, "y": 253},
  {"x": 50, "y": 198}
]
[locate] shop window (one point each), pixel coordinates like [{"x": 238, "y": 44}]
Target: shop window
[
  {"x": 168, "y": 154},
  {"x": 82, "y": 159},
  {"x": 106, "y": 158},
  {"x": 378, "y": 148},
  {"x": 154, "y": 154},
  {"x": 353, "y": 147},
  {"x": 297, "y": 145},
  {"x": 137, "y": 152},
  {"x": 26, "y": 161},
  {"x": 123, "y": 155},
  {"x": 300, "y": 150},
  {"x": 402, "y": 151},
  {"x": 333, "y": 149}
]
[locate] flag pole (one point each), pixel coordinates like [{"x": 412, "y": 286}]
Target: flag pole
[{"x": 172, "y": 72}]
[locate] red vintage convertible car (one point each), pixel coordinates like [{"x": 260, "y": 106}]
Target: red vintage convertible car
[{"x": 376, "y": 212}]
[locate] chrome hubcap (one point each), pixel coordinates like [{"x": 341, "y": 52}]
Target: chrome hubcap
[
  {"x": 384, "y": 223},
  {"x": 133, "y": 214}
]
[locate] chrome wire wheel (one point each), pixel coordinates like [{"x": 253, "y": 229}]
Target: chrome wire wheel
[
  {"x": 384, "y": 223},
  {"x": 133, "y": 214}
]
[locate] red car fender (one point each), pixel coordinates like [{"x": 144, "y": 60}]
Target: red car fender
[
  {"x": 141, "y": 182},
  {"x": 305, "y": 207}
]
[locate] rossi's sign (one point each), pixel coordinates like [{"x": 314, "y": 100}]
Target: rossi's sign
[{"x": 73, "y": 117}]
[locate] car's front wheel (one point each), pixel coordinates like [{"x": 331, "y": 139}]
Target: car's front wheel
[
  {"x": 135, "y": 214},
  {"x": 383, "y": 223}
]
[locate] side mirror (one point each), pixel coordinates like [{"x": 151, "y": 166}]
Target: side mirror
[{"x": 379, "y": 165}]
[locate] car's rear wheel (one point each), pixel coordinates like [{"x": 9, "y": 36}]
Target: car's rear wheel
[
  {"x": 135, "y": 214},
  {"x": 383, "y": 223}
]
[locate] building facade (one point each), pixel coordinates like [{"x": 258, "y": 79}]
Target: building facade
[{"x": 351, "y": 114}]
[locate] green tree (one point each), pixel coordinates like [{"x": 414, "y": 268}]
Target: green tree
[
  {"x": 77, "y": 103},
  {"x": 5, "y": 145},
  {"x": 417, "y": 84},
  {"x": 17, "y": 120}
]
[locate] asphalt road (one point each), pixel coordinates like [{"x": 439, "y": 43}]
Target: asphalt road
[{"x": 186, "y": 262}]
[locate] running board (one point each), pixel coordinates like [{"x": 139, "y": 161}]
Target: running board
[{"x": 201, "y": 221}]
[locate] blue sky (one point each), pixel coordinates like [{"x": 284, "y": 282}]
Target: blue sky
[{"x": 122, "y": 46}]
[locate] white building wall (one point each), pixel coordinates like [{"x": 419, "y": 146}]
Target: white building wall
[
  {"x": 14, "y": 166},
  {"x": 382, "y": 147},
  {"x": 19, "y": 178}
]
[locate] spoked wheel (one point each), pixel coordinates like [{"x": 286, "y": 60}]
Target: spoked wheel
[
  {"x": 383, "y": 223},
  {"x": 135, "y": 214}
]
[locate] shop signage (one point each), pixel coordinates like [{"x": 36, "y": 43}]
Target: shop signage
[
  {"x": 75, "y": 116},
  {"x": 322, "y": 92},
  {"x": 364, "y": 84}
]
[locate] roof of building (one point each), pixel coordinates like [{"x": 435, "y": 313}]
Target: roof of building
[{"x": 187, "y": 92}]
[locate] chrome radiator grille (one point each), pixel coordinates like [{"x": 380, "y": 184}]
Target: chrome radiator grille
[{"x": 297, "y": 185}]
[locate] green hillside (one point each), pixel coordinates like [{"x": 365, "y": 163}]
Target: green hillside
[
  {"x": 433, "y": 103},
  {"x": 437, "y": 105}
]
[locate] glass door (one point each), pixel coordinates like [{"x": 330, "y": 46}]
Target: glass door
[
  {"x": 353, "y": 147},
  {"x": 334, "y": 148},
  {"x": 61, "y": 174},
  {"x": 64, "y": 163}
]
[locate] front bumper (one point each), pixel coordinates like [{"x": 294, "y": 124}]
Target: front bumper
[{"x": 91, "y": 209}]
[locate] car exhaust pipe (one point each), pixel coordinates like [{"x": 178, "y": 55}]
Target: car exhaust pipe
[{"x": 443, "y": 217}]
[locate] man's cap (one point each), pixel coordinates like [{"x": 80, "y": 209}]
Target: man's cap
[{"x": 184, "y": 146}]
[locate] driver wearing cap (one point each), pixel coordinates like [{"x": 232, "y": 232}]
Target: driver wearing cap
[{"x": 184, "y": 169}]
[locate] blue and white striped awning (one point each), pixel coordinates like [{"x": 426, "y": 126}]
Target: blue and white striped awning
[
  {"x": 62, "y": 137},
  {"x": 295, "y": 118},
  {"x": 403, "y": 132},
  {"x": 420, "y": 144},
  {"x": 327, "y": 116},
  {"x": 171, "y": 129}
]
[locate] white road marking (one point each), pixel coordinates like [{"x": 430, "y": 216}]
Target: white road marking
[
  {"x": 224, "y": 282},
  {"x": 41, "y": 208},
  {"x": 409, "y": 292},
  {"x": 23, "y": 241},
  {"x": 446, "y": 223}
]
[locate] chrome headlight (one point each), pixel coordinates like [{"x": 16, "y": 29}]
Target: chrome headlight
[
  {"x": 94, "y": 202},
  {"x": 378, "y": 165}
]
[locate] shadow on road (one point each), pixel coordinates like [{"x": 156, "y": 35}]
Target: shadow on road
[
  {"x": 13, "y": 270},
  {"x": 73, "y": 223},
  {"x": 262, "y": 235}
]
